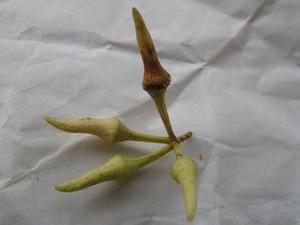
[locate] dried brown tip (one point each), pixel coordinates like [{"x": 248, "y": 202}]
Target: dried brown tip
[{"x": 155, "y": 76}]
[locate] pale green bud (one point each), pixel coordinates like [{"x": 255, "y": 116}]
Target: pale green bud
[
  {"x": 110, "y": 130},
  {"x": 117, "y": 168},
  {"x": 184, "y": 171}
]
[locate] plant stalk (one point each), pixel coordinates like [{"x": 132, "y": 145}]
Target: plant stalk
[{"x": 146, "y": 159}]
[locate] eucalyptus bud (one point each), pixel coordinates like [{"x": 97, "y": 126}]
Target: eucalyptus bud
[
  {"x": 155, "y": 76},
  {"x": 118, "y": 167},
  {"x": 184, "y": 172},
  {"x": 110, "y": 130}
]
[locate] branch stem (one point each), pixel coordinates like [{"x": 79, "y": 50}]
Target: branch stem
[{"x": 146, "y": 159}]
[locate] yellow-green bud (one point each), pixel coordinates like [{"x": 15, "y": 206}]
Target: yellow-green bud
[
  {"x": 118, "y": 167},
  {"x": 184, "y": 171},
  {"x": 110, "y": 130}
]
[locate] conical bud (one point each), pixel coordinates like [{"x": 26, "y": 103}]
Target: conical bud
[
  {"x": 184, "y": 171},
  {"x": 110, "y": 130},
  {"x": 155, "y": 76},
  {"x": 118, "y": 167}
]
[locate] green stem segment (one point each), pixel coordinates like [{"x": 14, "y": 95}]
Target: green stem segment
[
  {"x": 177, "y": 149},
  {"x": 146, "y": 159},
  {"x": 139, "y": 136},
  {"x": 158, "y": 96}
]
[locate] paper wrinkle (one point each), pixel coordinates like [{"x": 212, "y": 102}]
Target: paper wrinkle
[
  {"x": 179, "y": 86},
  {"x": 80, "y": 38},
  {"x": 235, "y": 40},
  {"x": 20, "y": 175},
  {"x": 92, "y": 41},
  {"x": 252, "y": 14},
  {"x": 181, "y": 52},
  {"x": 216, "y": 10},
  {"x": 84, "y": 39},
  {"x": 4, "y": 121},
  {"x": 238, "y": 40},
  {"x": 274, "y": 85},
  {"x": 258, "y": 11},
  {"x": 235, "y": 147},
  {"x": 158, "y": 220},
  {"x": 6, "y": 182}
]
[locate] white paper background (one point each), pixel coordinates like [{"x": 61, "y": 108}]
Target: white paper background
[{"x": 235, "y": 84}]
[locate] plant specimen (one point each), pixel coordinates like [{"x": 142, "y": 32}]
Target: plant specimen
[{"x": 112, "y": 130}]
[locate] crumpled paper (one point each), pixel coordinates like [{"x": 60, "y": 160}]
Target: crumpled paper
[{"x": 235, "y": 84}]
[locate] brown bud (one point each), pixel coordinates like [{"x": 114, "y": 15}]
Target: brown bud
[{"x": 155, "y": 76}]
